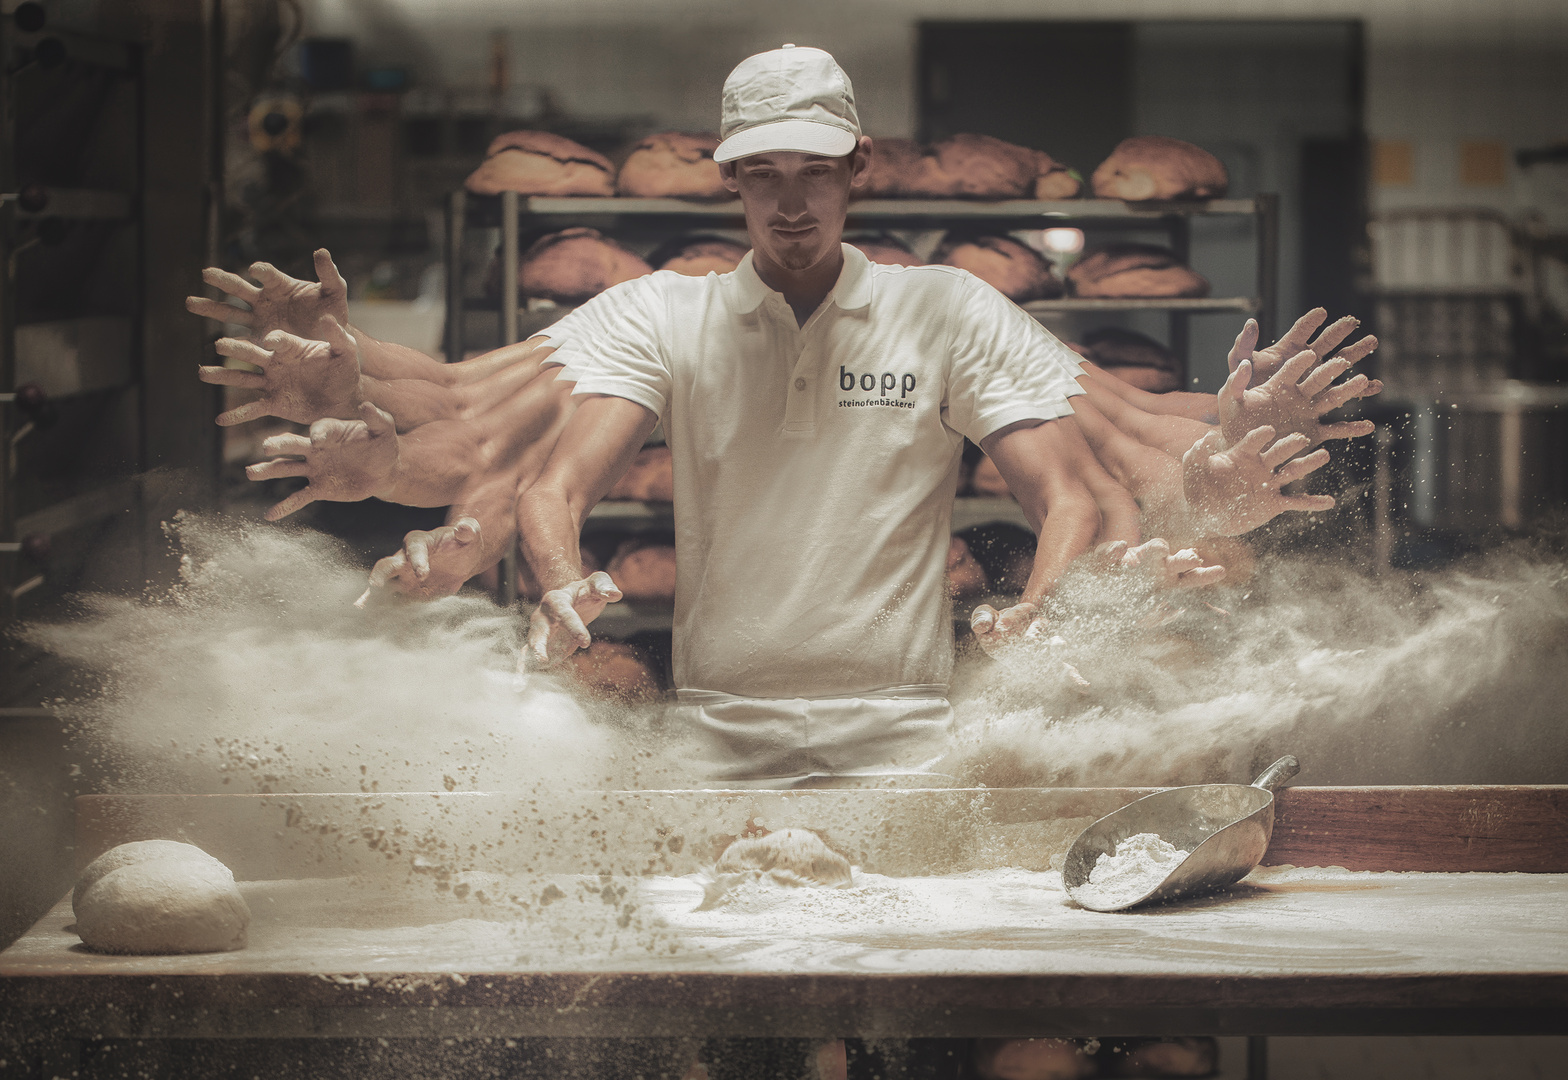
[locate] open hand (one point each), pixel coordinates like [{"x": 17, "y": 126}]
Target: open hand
[
  {"x": 1296, "y": 397},
  {"x": 1154, "y": 561},
  {"x": 1233, "y": 491},
  {"x": 280, "y": 302},
  {"x": 344, "y": 460},
  {"x": 996, "y": 630},
  {"x": 1265, "y": 362},
  {"x": 301, "y": 379},
  {"x": 431, "y": 564},
  {"x": 559, "y": 625}
]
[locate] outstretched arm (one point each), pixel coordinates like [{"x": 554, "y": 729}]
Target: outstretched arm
[{"x": 594, "y": 450}]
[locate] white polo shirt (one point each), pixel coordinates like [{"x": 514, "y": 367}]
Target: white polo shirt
[{"x": 815, "y": 466}]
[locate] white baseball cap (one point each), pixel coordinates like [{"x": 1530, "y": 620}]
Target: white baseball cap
[{"x": 789, "y": 99}]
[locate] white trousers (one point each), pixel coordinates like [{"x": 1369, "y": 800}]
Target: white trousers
[{"x": 894, "y": 737}]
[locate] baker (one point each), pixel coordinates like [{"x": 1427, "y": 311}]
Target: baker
[{"x": 816, "y": 406}]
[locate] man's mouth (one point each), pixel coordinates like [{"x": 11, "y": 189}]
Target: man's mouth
[{"x": 793, "y": 232}]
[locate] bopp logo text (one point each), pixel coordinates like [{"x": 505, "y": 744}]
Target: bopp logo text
[{"x": 887, "y": 381}]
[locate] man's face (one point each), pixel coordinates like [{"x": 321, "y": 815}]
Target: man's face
[{"x": 796, "y": 203}]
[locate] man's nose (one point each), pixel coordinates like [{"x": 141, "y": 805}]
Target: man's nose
[{"x": 792, "y": 202}]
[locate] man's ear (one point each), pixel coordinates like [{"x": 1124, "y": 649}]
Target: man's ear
[
  {"x": 860, "y": 163},
  {"x": 727, "y": 175}
]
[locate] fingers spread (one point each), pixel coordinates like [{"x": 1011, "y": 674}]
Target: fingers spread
[
  {"x": 1295, "y": 368},
  {"x": 244, "y": 413},
  {"x": 1349, "y": 429},
  {"x": 1321, "y": 376},
  {"x": 224, "y": 376},
  {"x": 388, "y": 568},
  {"x": 289, "y": 445},
  {"x": 1302, "y": 466},
  {"x": 1308, "y": 502},
  {"x": 300, "y": 499},
  {"x": 272, "y": 470},
  {"x": 268, "y": 274},
  {"x": 1237, "y": 382},
  {"x": 1359, "y": 350},
  {"x": 232, "y": 284},
  {"x": 1300, "y": 333},
  {"x": 219, "y": 311},
  {"x": 1285, "y": 449},
  {"x": 1246, "y": 341},
  {"x": 1255, "y": 440},
  {"x": 240, "y": 349},
  {"x": 1336, "y": 396},
  {"x": 1333, "y": 334}
]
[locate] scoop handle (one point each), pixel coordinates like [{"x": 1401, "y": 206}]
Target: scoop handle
[{"x": 1276, "y": 774}]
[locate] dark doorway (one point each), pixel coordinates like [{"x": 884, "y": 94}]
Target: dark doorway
[{"x": 1062, "y": 87}]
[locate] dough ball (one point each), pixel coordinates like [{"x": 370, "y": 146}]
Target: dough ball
[
  {"x": 1156, "y": 167},
  {"x": 790, "y": 856},
  {"x": 539, "y": 163},
  {"x": 673, "y": 165},
  {"x": 136, "y": 852},
  {"x": 1015, "y": 270},
  {"x": 163, "y": 905}
]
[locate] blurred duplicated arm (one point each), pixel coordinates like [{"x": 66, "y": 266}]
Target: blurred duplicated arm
[
  {"x": 414, "y": 387},
  {"x": 346, "y": 461},
  {"x": 594, "y": 451}
]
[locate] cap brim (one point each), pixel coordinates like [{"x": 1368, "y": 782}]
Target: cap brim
[{"x": 787, "y": 136}]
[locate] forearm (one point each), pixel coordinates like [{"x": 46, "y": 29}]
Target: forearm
[
  {"x": 1201, "y": 407},
  {"x": 549, "y": 522},
  {"x": 1067, "y": 531},
  {"x": 388, "y": 360},
  {"x": 492, "y": 501},
  {"x": 1172, "y": 434},
  {"x": 1152, "y": 477}
]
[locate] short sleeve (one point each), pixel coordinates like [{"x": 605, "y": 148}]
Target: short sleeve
[
  {"x": 1003, "y": 366},
  {"x": 611, "y": 345}
]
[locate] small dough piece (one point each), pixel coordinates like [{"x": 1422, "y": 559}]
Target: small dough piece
[
  {"x": 673, "y": 165},
  {"x": 1158, "y": 167},
  {"x": 789, "y": 857},
  {"x": 161, "y": 906},
  {"x": 135, "y": 852}
]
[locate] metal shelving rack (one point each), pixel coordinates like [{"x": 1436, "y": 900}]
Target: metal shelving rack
[
  {"x": 654, "y": 220},
  {"x": 37, "y": 216}
]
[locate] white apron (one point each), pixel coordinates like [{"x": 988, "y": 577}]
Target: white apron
[{"x": 894, "y": 737}]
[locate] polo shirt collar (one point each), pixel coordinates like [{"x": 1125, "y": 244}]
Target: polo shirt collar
[{"x": 851, "y": 292}]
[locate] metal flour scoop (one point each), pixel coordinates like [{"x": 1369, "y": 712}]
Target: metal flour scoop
[{"x": 1225, "y": 827}]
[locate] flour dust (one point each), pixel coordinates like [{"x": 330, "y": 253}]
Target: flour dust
[
  {"x": 1456, "y": 677},
  {"x": 256, "y": 673}
]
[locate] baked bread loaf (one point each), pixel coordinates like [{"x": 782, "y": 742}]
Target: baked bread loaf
[
  {"x": 698, "y": 256},
  {"x": 965, "y": 167},
  {"x": 1015, "y": 270},
  {"x": 539, "y": 163},
  {"x": 1134, "y": 358},
  {"x": 574, "y": 265},
  {"x": 903, "y": 169},
  {"x": 651, "y": 477},
  {"x": 1135, "y": 271},
  {"x": 1149, "y": 167},
  {"x": 644, "y": 571},
  {"x": 885, "y": 249},
  {"x": 673, "y": 165},
  {"x": 965, "y": 576},
  {"x": 611, "y": 669}
]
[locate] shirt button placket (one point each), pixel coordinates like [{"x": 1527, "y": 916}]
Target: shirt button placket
[{"x": 800, "y": 405}]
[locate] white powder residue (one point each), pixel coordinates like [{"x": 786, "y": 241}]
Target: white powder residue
[{"x": 1140, "y": 863}]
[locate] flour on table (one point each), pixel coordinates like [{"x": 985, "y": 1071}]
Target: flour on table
[
  {"x": 1140, "y": 863},
  {"x": 789, "y": 857}
]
